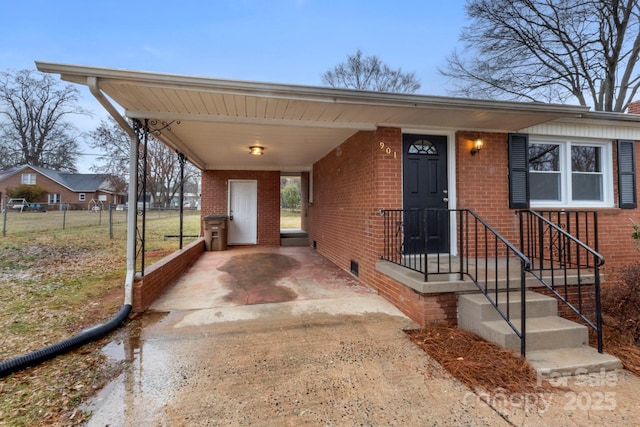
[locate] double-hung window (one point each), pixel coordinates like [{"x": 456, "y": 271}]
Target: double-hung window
[
  {"x": 28, "y": 179},
  {"x": 570, "y": 173}
]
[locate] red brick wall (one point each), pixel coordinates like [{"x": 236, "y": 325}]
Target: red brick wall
[
  {"x": 421, "y": 308},
  {"x": 351, "y": 184},
  {"x": 160, "y": 275},
  {"x": 215, "y": 191},
  {"x": 482, "y": 181}
]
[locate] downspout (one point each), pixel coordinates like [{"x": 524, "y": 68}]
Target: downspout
[
  {"x": 92, "y": 82},
  {"x": 10, "y": 366}
]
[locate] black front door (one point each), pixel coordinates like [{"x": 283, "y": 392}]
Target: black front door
[{"x": 424, "y": 177}]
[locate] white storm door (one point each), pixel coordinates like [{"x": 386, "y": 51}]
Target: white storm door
[{"x": 243, "y": 212}]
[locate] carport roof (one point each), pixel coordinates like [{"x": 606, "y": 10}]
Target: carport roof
[{"x": 214, "y": 121}]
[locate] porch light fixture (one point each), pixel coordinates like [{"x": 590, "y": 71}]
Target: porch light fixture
[
  {"x": 477, "y": 146},
  {"x": 256, "y": 150}
]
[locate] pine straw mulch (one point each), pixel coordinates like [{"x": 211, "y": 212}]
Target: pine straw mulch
[
  {"x": 617, "y": 344},
  {"x": 483, "y": 365},
  {"x": 620, "y": 339},
  {"x": 476, "y": 362}
]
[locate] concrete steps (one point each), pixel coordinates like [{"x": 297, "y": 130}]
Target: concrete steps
[
  {"x": 294, "y": 238},
  {"x": 554, "y": 344},
  {"x": 543, "y": 333}
]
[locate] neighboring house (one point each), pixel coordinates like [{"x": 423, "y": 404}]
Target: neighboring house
[
  {"x": 64, "y": 189},
  {"x": 363, "y": 155},
  {"x": 191, "y": 201}
]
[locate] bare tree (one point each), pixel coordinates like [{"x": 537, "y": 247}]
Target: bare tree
[
  {"x": 369, "y": 73},
  {"x": 164, "y": 173},
  {"x": 110, "y": 139},
  {"x": 34, "y": 126},
  {"x": 550, "y": 50},
  {"x": 163, "y": 165}
]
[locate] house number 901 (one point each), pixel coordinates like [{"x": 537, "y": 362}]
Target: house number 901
[{"x": 388, "y": 150}]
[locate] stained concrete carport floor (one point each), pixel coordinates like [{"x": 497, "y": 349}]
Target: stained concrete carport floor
[{"x": 281, "y": 337}]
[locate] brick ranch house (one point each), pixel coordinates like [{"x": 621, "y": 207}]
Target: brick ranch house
[
  {"x": 71, "y": 190},
  {"x": 394, "y": 184}
]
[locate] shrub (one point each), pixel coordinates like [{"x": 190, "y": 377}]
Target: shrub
[
  {"x": 32, "y": 193},
  {"x": 621, "y": 303}
]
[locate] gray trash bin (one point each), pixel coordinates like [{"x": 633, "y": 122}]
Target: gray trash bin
[{"x": 215, "y": 232}]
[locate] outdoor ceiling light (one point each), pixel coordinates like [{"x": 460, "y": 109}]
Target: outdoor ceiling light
[
  {"x": 477, "y": 146},
  {"x": 256, "y": 150}
]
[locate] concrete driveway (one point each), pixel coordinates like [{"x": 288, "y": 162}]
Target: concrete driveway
[{"x": 280, "y": 337}]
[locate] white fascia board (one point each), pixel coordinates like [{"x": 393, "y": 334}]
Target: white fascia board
[{"x": 79, "y": 74}]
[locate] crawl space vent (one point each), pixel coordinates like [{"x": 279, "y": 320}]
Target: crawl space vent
[{"x": 354, "y": 267}]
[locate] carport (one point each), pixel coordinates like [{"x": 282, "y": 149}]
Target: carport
[{"x": 214, "y": 122}]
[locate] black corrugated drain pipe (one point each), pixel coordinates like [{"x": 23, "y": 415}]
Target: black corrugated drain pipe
[{"x": 91, "y": 334}]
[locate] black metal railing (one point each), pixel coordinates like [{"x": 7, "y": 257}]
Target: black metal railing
[
  {"x": 420, "y": 239},
  {"x": 564, "y": 263}
]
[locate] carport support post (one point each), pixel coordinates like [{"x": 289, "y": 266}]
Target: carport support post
[
  {"x": 132, "y": 220},
  {"x": 182, "y": 159}
]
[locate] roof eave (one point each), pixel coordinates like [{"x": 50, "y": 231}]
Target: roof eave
[{"x": 80, "y": 74}]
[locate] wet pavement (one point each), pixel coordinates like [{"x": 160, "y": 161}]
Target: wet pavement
[{"x": 282, "y": 337}]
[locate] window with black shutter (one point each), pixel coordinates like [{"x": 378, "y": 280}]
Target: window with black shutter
[{"x": 518, "y": 171}]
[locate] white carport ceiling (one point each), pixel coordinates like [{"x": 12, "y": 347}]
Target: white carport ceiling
[{"x": 214, "y": 121}]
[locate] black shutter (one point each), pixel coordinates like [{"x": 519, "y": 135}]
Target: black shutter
[
  {"x": 518, "y": 171},
  {"x": 627, "y": 175}
]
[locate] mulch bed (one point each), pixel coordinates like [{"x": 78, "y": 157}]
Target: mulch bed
[{"x": 476, "y": 362}]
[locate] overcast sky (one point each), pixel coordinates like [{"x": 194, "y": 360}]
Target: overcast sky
[{"x": 280, "y": 41}]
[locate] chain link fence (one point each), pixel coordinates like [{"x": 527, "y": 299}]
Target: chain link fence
[{"x": 103, "y": 220}]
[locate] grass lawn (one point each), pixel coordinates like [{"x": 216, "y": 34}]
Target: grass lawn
[
  {"x": 289, "y": 219},
  {"x": 53, "y": 284}
]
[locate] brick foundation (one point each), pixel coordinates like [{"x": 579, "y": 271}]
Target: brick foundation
[
  {"x": 159, "y": 276},
  {"x": 421, "y": 308}
]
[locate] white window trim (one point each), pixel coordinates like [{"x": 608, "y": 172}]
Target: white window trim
[
  {"x": 565, "y": 170},
  {"x": 24, "y": 175},
  {"x": 82, "y": 197},
  {"x": 54, "y": 198}
]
